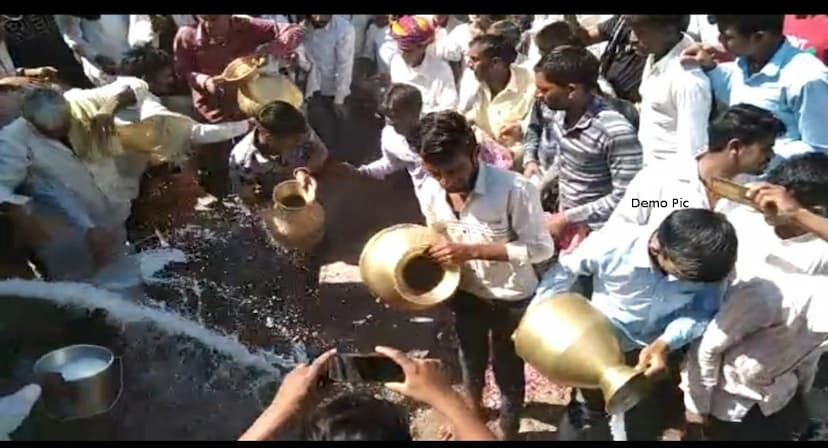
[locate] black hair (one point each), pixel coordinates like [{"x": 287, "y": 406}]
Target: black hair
[
  {"x": 805, "y": 177},
  {"x": 556, "y": 34},
  {"x": 509, "y": 29},
  {"x": 699, "y": 243},
  {"x": 358, "y": 417},
  {"x": 402, "y": 97},
  {"x": 677, "y": 21},
  {"x": 745, "y": 122},
  {"x": 442, "y": 136},
  {"x": 747, "y": 24},
  {"x": 145, "y": 61},
  {"x": 281, "y": 119},
  {"x": 496, "y": 46},
  {"x": 569, "y": 64}
]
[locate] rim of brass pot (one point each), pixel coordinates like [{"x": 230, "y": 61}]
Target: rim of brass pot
[
  {"x": 402, "y": 295},
  {"x": 250, "y": 104},
  {"x": 290, "y": 188},
  {"x": 242, "y": 69}
]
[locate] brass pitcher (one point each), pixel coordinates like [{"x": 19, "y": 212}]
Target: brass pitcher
[
  {"x": 395, "y": 268},
  {"x": 296, "y": 219},
  {"x": 573, "y": 344},
  {"x": 261, "y": 89}
]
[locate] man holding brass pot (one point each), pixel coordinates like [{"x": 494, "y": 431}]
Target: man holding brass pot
[
  {"x": 659, "y": 290},
  {"x": 494, "y": 224}
]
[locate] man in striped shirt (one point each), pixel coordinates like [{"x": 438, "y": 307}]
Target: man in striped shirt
[{"x": 593, "y": 147}]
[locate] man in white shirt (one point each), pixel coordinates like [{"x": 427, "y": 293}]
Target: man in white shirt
[
  {"x": 329, "y": 46},
  {"x": 759, "y": 357},
  {"x": 414, "y": 65},
  {"x": 494, "y": 224},
  {"x": 740, "y": 142},
  {"x": 380, "y": 46},
  {"x": 99, "y": 43},
  {"x": 675, "y": 101},
  {"x": 779, "y": 240}
]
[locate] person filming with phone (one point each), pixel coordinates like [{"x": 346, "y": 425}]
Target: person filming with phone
[{"x": 359, "y": 416}]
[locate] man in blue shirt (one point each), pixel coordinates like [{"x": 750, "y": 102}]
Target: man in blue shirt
[
  {"x": 659, "y": 289},
  {"x": 771, "y": 73}
]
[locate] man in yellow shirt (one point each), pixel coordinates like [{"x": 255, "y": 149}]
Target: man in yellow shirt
[{"x": 506, "y": 92}]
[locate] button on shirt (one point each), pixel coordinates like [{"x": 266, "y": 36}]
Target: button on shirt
[
  {"x": 510, "y": 106},
  {"x": 763, "y": 346},
  {"x": 331, "y": 51},
  {"x": 793, "y": 85},
  {"x": 597, "y": 158},
  {"x": 433, "y": 78},
  {"x": 502, "y": 208},
  {"x": 642, "y": 303},
  {"x": 675, "y": 107}
]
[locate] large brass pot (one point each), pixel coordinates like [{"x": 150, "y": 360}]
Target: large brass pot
[
  {"x": 573, "y": 344},
  {"x": 296, "y": 220},
  {"x": 395, "y": 268},
  {"x": 261, "y": 89}
]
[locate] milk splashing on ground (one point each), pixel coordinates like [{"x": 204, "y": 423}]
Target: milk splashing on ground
[{"x": 83, "y": 295}]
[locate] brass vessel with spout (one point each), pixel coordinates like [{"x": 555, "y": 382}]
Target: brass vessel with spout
[
  {"x": 395, "y": 268},
  {"x": 570, "y": 342}
]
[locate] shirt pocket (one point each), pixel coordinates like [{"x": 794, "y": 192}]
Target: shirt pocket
[{"x": 491, "y": 229}]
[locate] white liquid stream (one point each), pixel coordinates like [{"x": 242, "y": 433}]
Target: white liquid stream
[{"x": 82, "y": 368}]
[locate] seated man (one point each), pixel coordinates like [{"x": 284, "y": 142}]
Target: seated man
[
  {"x": 67, "y": 204},
  {"x": 279, "y": 145},
  {"x": 420, "y": 68},
  {"x": 494, "y": 225},
  {"x": 659, "y": 289},
  {"x": 356, "y": 416},
  {"x": 758, "y": 357}
]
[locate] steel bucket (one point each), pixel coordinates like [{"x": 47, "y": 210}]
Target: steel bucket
[{"x": 71, "y": 395}]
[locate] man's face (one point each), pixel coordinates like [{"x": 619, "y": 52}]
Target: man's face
[
  {"x": 414, "y": 57},
  {"x": 753, "y": 158},
  {"x": 737, "y": 44},
  {"x": 664, "y": 263},
  {"x": 163, "y": 83},
  {"x": 273, "y": 145},
  {"x": 650, "y": 39},
  {"x": 479, "y": 63},
  {"x": 58, "y": 132},
  {"x": 320, "y": 20},
  {"x": 217, "y": 25},
  {"x": 555, "y": 96},
  {"x": 442, "y": 19},
  {"x": 454, "y": 175},
  {"x": 403, "y": 121},
  {"x": 380, "y": 20}
]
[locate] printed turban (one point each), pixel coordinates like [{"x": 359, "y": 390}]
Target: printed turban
[{"x": 412, "y": 31}]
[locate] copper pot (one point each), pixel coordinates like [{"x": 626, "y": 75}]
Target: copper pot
[
  {"x": 573, "y": 344},
  {"x": 296, "y": 220},
  {"x": 395, "y": 268}
]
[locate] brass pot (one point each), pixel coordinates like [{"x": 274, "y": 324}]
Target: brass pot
[
  {"x": 296, "y": 220},
  {"x": 394, "y": 267},
  {"x": 262, "y": 89},
  {"x": 573, "y": 344}
]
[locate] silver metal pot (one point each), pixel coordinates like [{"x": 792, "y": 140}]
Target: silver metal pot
[{"x": 70, "y": 393}]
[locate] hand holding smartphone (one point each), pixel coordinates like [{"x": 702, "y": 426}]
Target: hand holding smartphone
[{"x": 364, "y": 368}]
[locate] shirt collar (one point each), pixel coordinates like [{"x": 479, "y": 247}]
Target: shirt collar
[
  {"x": 774, "y": 65},
  {"x": 511, "y": 86},
  {"x": 661, "y": 65},
  {"x": 595, "y": 106},
  {"x": 640, "y": 256},
  {"x": 480, "y": 182}
]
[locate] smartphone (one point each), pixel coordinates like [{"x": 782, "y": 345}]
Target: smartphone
[{"x": 364, "y": 368}]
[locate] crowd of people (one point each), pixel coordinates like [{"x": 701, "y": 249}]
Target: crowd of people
[{"x": 556, "y": 153}]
